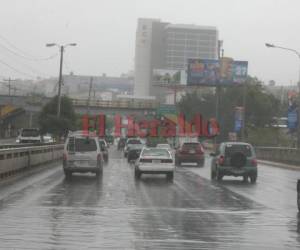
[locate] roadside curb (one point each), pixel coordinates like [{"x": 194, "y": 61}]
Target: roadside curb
[{"x": 279, "y": 165}]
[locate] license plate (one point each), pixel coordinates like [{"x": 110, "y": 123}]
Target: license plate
[
  {"x": 156, "y": 161},
  {"x": 192, "y": 151}
]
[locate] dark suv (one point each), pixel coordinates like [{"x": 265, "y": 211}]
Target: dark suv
[
  {"x": 190, "y": 152},
  {"x": 234, "y": 159}
]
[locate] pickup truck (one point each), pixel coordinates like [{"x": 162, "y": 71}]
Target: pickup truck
[{"x": 29, "y": 135}]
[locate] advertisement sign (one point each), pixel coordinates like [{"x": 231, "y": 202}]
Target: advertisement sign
[
  {"x": 169, "y": 76},
  {"x": 238, "y": 121},
  {"x": 225, "y": 71},
  {"x": 292, "y": 118}
]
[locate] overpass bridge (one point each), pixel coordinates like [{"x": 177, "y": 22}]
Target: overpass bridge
[
  {"x": 22, "y": 111},
  {"x": 33, "y": 104}
]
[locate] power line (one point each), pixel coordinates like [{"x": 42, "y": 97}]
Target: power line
[
  {"x": 24, "y": 55},
  {"x": 16, "y": 70}
]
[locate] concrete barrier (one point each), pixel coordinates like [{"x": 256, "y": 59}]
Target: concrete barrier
[
  {"x": 16, "y": 159},
  {"x": 277, "y": 154}
]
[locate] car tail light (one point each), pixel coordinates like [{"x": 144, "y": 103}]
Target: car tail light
[
  {"x": 167, "y": 161},
  {"x": 200, "y": 150},
  {"x": 145, "y": 160},
  {"x": 254, "y": 162},
  {"x": 183, "y": 151},
  {"x": 221, "y": 160}
]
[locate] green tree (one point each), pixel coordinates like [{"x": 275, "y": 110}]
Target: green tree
[
  {"x": 49, "y": 123},
  {"x": 261, "y": 106}
]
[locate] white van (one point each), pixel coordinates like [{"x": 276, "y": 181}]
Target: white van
[{"x": 82, "y": 154}]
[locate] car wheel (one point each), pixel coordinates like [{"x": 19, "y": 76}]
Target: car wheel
[
  {"x": 212, "y": 175},
  {"x": 170, "y": 176},
  {"x": 176, "y": 162},
  {"x": 253, "y": 178},
  {"x": 245, "y": 178},
  {"x": 200, "y": 163},
  {"x": 68, "y": 174},
  {"x": 128, "y": 159},
  {"x": 219, "y": 176},
  {"x": 99, "y": 172},
  {"x": 137, "y": 174}
]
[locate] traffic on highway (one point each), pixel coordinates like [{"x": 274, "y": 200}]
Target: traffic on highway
[
  {"x": 147, "y": 203},
  {"x": 149, "y": 125}
]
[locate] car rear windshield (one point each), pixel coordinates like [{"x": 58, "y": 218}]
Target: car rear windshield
[
  {"x": 134, "y": 142},
  {"x": 82, "y": 145},
  {"x": 191, "y": 145},
  {"x": 102, "y": 143},
  {"x": 153, "y": 152},
  {"x": 230, "y": 149},
  {"x": 30, "y": 132}
]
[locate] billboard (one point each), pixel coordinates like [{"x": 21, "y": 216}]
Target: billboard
[
  {"x": 209, "y": 72},
  {"x": 169, "y": 76},
  {"x": 239, "y": 119}
]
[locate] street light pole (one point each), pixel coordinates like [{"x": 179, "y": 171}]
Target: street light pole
[
  {"x": 298, "y": 84},
  {"x": 60, "y": 81},
  {"x": 60, "y": 78}
]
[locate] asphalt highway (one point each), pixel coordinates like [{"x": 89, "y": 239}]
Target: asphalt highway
[{"x": 43, "y": 210}]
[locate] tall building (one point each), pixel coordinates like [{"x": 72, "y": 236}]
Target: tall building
[{"x": 161, "y": 45}]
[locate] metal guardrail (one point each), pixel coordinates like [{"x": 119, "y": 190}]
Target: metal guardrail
[
  {"x": 13, "y": 160},
  {"x": 22, "y": 145},
  {"x": 134, "y": 104},
  {"x": 279, "y": 154}
]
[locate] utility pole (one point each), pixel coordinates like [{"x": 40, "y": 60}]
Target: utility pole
[
  {"x": 218, "y": 88},
  {"x": 9, "y": 80},
  {"x": 89, "y": 99},
  {"x": 60, "y": 78},
  {"x": 244, "y": 111}
]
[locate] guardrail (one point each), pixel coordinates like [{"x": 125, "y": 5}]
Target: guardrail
[
  {"x": 279, "y": 154},
  {"x": 14, "y": 160},
  {"x": 22, "y": 145},
  {"x": 134, "y": 104}
]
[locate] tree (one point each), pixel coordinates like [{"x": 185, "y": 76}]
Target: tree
[
  {"x": 50, "y": 123},
  {"x": 261, "y": 106}
]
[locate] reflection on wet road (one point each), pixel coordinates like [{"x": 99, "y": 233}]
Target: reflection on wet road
[{"x": 45, "y": 211}]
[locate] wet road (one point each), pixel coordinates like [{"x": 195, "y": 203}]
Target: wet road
[{"x": 42, "y": 210}]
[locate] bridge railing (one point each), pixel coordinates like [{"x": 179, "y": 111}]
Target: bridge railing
[
  {"x": 135, "y": 104},
  {"x": 279, "y": 154},
  {"x": 17, "y": 159}
]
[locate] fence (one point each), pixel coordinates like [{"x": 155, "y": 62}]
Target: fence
[
  {"x": 13, "y": 160},
  {"x": 278, "y": 154}
]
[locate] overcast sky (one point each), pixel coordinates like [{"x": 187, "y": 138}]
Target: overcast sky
[{"x": 105, "y": 33}]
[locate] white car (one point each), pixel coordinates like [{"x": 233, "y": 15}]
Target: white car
[
  {"x": 82, "y": 153},
  {"x": 47, "y": 138},
  {"x": 155, "y": 161},
  {"x": 164, "y": 145},
  {"x": 29, "y": 135}
]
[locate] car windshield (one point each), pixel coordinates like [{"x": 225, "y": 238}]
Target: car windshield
[
  {"x": 82, "y": 145},
  {"x": 30, "y": 132},
  {"x": 191, "y": 145},
  {"x": 155, "y": 152},
  {"x": 231, "y": 149},
  {"x": 102, "y": 143},
  {"x": 166, "y": 146},
  {"x": 134, "y": 142}
]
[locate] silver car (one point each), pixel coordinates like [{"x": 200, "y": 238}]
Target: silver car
[
  {"x": 82, "y": 154},
  {"x": 155, "y": 161}
]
